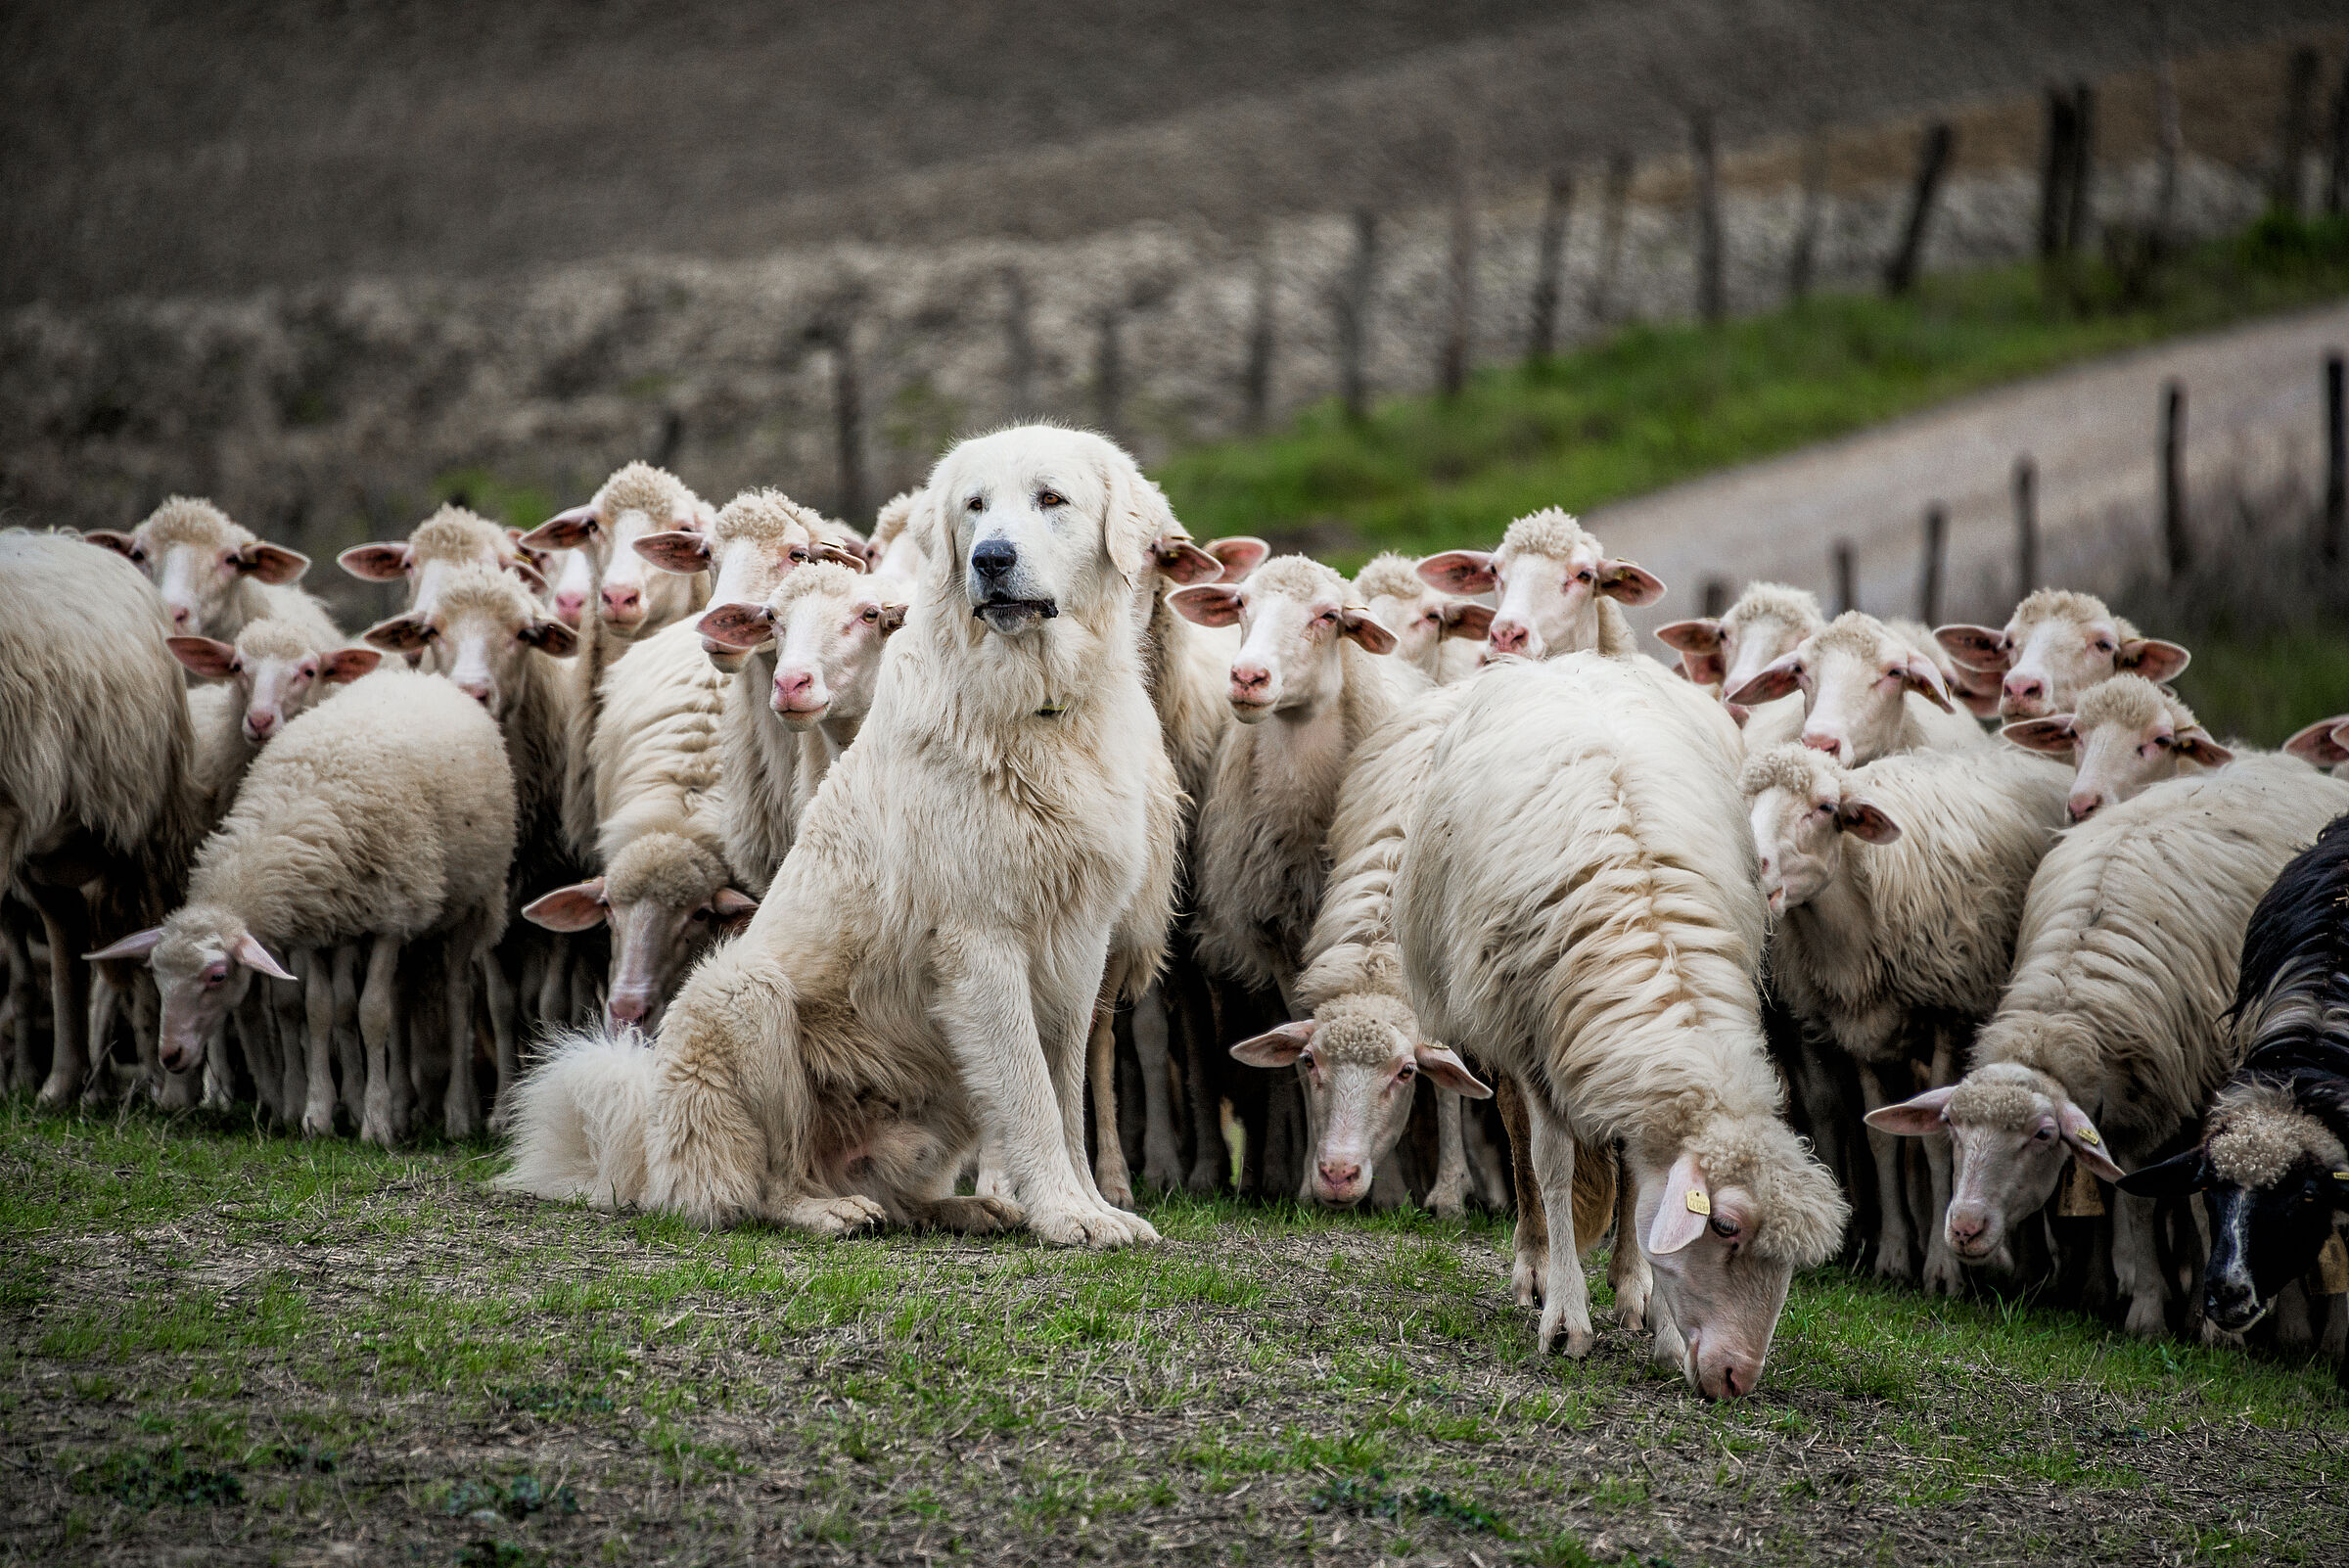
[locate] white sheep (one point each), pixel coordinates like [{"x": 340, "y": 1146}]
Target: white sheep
[
  {"x": 1557, "y": 592},
  {"x": 749, "y": 547},
  {"x": 2324, "y": 744},
  {"x": 2109, "y": 1038},
  {"x": 661, "y": 804},
  {"x": 264, "y": 681},
  {"x": 631, "y": 599},
  {"x": 924, "y": 973},
  {"x": 2124, "y": 734},
  {"x": 97, "y": 765},
  {"x": 386, "y": 817},
  {"x": 1437, "y": 634},
  {"x": 2056, "y": 645},
  {"x": 214, "y": 574},
  {"x": 450, "y": 537},
  {"x": 1578, "y": 898},
  {"x": 1867, "y": 691},
  {"x": 1724, "y": 652},
  {"x": 573, "y": 585},
  {"x": 1897, "y": 888}
]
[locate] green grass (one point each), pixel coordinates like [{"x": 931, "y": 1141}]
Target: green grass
[
  {"x": 272, "y": 1344},
  {"x": 1656, "y": 404}
]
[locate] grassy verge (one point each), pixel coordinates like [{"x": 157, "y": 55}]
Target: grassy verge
[
  {"x": 274, "y": 1350},
  {"x": 1654, "y": 405}
]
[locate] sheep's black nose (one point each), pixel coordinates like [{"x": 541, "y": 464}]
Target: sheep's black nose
[{"x": 993, "y": 558}]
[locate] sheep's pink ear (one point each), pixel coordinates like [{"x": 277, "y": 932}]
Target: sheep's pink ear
[
  {"x": 893, "y": 616},
  {"x": 1975, "y": 647},
  {"x": 738, "y": 626},
  {"x": 2196, "y": 747},
  {"x": 2087, "y": 1144},
  {"x": 376, "y": 563},
  {"x": 138, "y": 944},
  {"x": 536, "y": 557},
  {"x": 567, "y": 529},
  {"x": 733, "y": 908},
  {"x": 1920, "y": 677},
  {"x": 1914, "y": 1119},
  {"x": 1698, "y": 643},
  {"x": 675, "y": 551},
  {"x": 2054, "y": 735},
  {"x": 841, "y": 555},
  {"x": 273, "y": 564},
  {"x": 531, "y": 578},
  {"x": 1465, "y": 617},
  {"x": 2326, "y": 743},
  {"x": 577, "y": 907},
  {"x": 401, "y": 634},
  {"x": 1866, "y": 821},
  {"x": 348, "y": 664},
  {"x": 1276, "y": 1047},
  {"x": 1628, "y": 583},
  {"x": 249, "y": 953},
  {"x": 1686, "y": 1205},
  {"x": 1240, "y": 555},
  {"x": 122, "y": 544},
  {"x": 1977, "y": 691},
  {"x": 1776, "y": 679},
  {"x": 1207, "y": 604},
  {"x": 551, "y": 636},
  {"x": 2152, "y": 658},
  {"x": 1363, "y": 628},
  {"x": 1441, "y": 1064},
  {"x": 1461, "y": 572},
  {"x": 1183, "y": 563},
  {"x": 208, "y": 657}
]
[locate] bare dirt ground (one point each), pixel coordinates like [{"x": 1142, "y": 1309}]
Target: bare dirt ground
[
  {"x": 230, "y": 1349},
  {"x": 2255, "y": 399}
]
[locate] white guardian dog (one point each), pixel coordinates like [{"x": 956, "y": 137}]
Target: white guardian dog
[{"x": 922, "y": 974}]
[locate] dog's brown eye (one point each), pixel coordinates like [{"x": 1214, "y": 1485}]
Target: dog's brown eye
[{"x": 1051, "y": 498}]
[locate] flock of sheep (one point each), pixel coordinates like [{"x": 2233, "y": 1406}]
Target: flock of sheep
[{"x": 846, "y": 864}]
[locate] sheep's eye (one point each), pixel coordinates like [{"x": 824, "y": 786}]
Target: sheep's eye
[
  {"x": 871, "y": 613},
  {"x": 703, "y": 912},
  {"x": 797, "y": 554},
  {"x": 1051, "y": 498},
  {"x": 2165, "y": 742},
  {"x": 1326, "y": 616},
  {"x": 1726, "y": 1229},
  {"x": 138, "y": 555},
  {"x": 2043, "y": 1135},
  {"x": 1581, "y": 577},
  {"x": 2104, "y": 645},
  {"x": 1407, "y": 1072},
  {"x": 215, "y": 974},
  {"x": 309, "y": 670}
]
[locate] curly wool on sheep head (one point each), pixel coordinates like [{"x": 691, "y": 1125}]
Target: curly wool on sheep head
[
  {"x": 2124, "y": 734},
  {"x": 1549, "y": 576},
  {"x": 2056, "y": 645},
  {"x": 204, "y": 957},
  {"x": 1296, "y": 616},
  {"x": 197, "y": 557}
]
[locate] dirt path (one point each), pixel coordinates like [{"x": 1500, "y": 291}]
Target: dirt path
[{"x": 2254, "y": 405}]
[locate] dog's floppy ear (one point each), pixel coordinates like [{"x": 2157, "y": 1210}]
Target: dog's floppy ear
[{"x": 1136, "y": 516}]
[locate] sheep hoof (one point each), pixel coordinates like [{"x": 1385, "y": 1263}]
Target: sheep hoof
[
  {"x": 1561, "y": 1338},
  {"x": 54, "y": 1095},
  {"x": 317, "y": 1124},
  {"x": 1117, "y": 1193},
  {"x": 1894, "y": 1265},
  {"x": 1944, "y": 1275},
  {"x": 1089, "y": 1226},
  {"x": 1631, "y": 1308},
  {"x": 2147, "y": 1321},
  {"x": 1446, "y": 1202},
  {"x": 1525, "y": 1279},
  {"x": 1203, "y": 1182}
]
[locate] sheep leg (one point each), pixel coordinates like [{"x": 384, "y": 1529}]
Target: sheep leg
[
  {"x": 1488, "y": 1163},
  {"x": 146, "y": 1023},
  {"x": 1894, "y": 1239},
  {"x": 261, "y": 1050},
  {"x": 554, "y": 985},
  {"x": 1110, "y": 1174},
  {"x": 460, "y": 1109},
  {"x": 2137, "y": 1265},
  {"x": 1532, "y": 1263},
  {"x": 1822, "y": 1104},
  {"x": 1162, "y": 1147},
  {"x": 312, "y": 967},
  {"x": 350, "y": 1049},
  {"x": 219, "y": 1073},
  {"x": 375, "y": 1010},
  {"x": 1565, "y": 1293},
  {"x": 286, "y": 1018},
  {"x": 1628, "y": 1273},
  {"x": 501, "y": 1026},
  {"x": 1195, "y": 1028},
  {"x": 1449, "y": 1197},
  {"x": 66, "y": 923},
  {"x": 23, "y": 1001},
  {"x": 97, "y": 1087},
  {"x": 1944, "y": 1274}
]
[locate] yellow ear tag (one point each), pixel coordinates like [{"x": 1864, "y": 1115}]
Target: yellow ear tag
[
  {"x": 1698, "y": 1203},
  {"x": 2088, "y": 1136}
]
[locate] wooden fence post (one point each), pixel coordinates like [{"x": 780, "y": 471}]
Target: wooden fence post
[
  {"x": 1354, "y": 317},
  {"x": 1452, "y": 373},
  {"x": 1717, "y": 597},
  {"x": 1109, "y": 370},
  {"x": 1019, "y": 344},
  {"x": 2336, "y": 460},
  {"x": 2292, "y": 150},
  {"x": 2026, "y": 528},
  {"x": 2169, "y": 149},
  {"x": 1928, "y": 587},
  {"x": 1613, "y": 211},
  {"x": 2054, "y": 171},
  {"x": 1847, "y": 584},
  {"x": 848, "y": 415},
  {"x": 2336, "y": 162},
  {"x": 2079, "y": 191},
  {"x": 2179, "y": 547},
  {"x": 1803, "y": 260},
  {"x": 673, "y": 439},
  {"x": 1933, "y": 160},
  {"x": 1549, "y": 265},
  {"x": 1256, "y": 380},
  {"x": 1710, "y": 304}
]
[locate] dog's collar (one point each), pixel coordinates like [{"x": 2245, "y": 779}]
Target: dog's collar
[{"x": 1053, "y": 710}]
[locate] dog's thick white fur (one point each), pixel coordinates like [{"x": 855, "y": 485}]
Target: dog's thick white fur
[{"x": 923, "y": 971}]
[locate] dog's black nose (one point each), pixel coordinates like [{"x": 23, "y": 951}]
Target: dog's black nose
[{"x": 993, "y": 559}]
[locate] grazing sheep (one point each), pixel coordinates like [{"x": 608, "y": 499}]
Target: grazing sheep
[
  {"x": 1555, "y": 589},
  {"x": 2274, "y": 1156},
  {"x": 755, "y": 539},
  {"x": 1578, "y": 898},
  {"x": 97, "y": 765},
  {"x": 2056, "y": 645},
  {"x": 386, "y": 817},
  {"x": 632, "y": 601},
  {"x": 1897, "y": 888},
  {"x": 1435, "y": 633},
  {"x": 2125, "y": 734},
  {"x": 216, "y": 575},
  {"x": 924, "y": 973},
  {"x": 2107, "y": 1043},
  {"x": 450, "y": 537},
  {"x": 1867, "y": 692}
]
